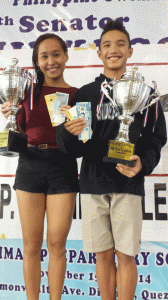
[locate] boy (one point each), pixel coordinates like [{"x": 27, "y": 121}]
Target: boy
[{"x": 111, "y": 194}]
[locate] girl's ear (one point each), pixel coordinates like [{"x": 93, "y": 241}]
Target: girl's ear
[{"x": 67, "y": 56}]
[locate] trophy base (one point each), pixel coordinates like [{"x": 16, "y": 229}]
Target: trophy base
[
  {"x": 12, "y": 143},
  {"x": 130, "y": 163},
  {"x": 120, "y": 152}
]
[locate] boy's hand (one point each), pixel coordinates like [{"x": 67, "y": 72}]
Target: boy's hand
[
  {"x": 130, "y": 171},
  {"x": 75, "y": 126}
]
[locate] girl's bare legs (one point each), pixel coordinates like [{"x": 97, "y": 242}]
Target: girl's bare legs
[
  {"x": 60, "y": 210},
  {"x": 32, "y": 211}
]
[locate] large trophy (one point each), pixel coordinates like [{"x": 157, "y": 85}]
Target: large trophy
[
  {"x": 14, "y": 82},
  {"x": 130, "y": 95}
]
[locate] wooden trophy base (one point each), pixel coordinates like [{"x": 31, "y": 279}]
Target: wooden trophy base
[
  {"x": 120, "y": 153},
  {"x": 12, "y": 143}
]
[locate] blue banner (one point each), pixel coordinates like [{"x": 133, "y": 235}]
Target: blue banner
[{"x": 80, "y": 281}]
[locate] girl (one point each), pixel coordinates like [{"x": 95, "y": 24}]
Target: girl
[{"x": 46, "y": 180}]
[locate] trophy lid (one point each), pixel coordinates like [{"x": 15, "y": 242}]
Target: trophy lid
[
  {"x": 12, "y": 69},
  {"x": 132, "y": 75}
]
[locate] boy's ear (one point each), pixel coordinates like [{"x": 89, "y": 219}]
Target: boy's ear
[
  {"x": 130, "y": 52},
  {"x": 98, "y": 53}
]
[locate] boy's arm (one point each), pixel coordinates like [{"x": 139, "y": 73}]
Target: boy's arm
[
  {"x": 151, "y": 143},
  {"x": 67, "y": 137},
  {"x": 149, "y": 149}
]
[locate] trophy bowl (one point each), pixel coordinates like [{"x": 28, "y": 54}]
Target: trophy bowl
[{"x": 130, "y": 93}]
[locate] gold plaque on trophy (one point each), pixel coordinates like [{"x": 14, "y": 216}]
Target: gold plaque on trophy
[
  {"x": 120, "y": 152},
  {"x": 4, "y": 138}
]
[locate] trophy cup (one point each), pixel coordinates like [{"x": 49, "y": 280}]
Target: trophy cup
[
  {"x": 14, "y": 82},
  {"x": 130, "y": 95}
]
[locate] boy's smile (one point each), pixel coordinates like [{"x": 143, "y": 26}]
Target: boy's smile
[{"x": 114, "y": 52}]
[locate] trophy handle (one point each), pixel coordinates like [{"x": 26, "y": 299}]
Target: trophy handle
[
  {"x": 2, "y": 98},
  {"x": 105, "y": 92},
  {"x": 157, "y": 94}
]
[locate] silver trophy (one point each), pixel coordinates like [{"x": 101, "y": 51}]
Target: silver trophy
[
  {"x": 14, "y": 82},
  {"x": 130, "y": 95}
]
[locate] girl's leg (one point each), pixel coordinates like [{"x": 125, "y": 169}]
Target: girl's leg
[
  {"x": 60, "y": 210},
  {"x": 31, "y": 211}
]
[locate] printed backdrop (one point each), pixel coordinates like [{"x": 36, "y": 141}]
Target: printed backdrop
[{"x": 79, "y": 23}]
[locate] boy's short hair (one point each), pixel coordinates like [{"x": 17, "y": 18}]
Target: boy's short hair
[{"x": 115, "y": 25}]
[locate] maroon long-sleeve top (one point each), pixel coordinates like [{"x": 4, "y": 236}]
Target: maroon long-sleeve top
[{"x": 36, "y": 123}]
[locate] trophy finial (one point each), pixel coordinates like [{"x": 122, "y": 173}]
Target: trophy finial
[
  {"x": 134, "y": 70},
  {"x": 14, "y": 62}
]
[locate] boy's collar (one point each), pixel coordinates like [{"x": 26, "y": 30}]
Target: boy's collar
[{"x": 109, "y": 79}]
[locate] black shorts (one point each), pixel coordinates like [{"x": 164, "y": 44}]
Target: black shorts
[{"x": 46, "y": 171}]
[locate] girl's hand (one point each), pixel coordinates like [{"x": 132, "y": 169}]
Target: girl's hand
[
  {"x": 5, "y": 108},
  {"x": 63, "y": 109},
  {"x": 130, "y": 171},
  {"x": 75, "y": 126}
]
